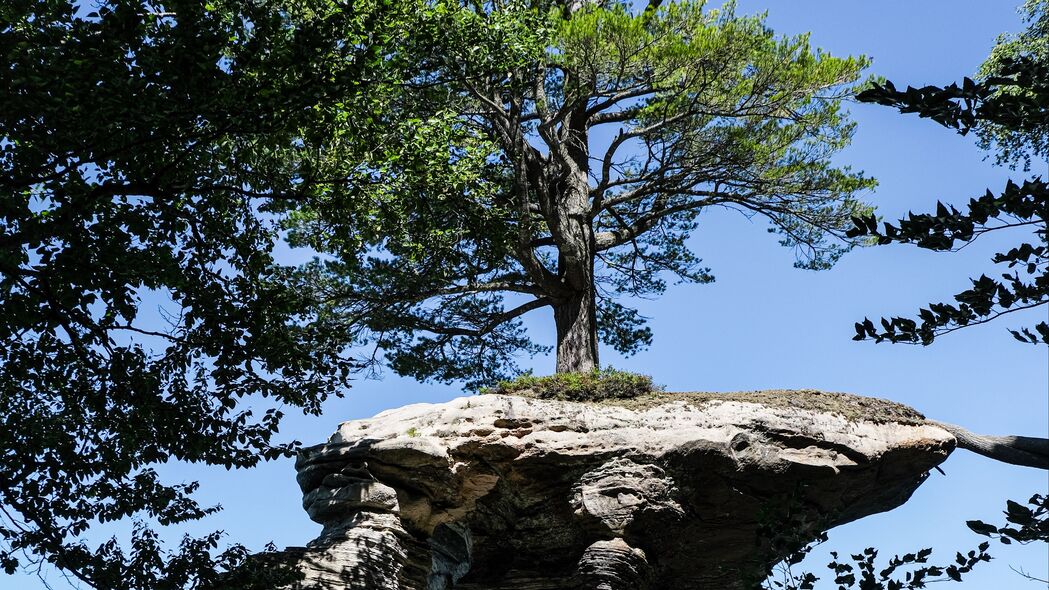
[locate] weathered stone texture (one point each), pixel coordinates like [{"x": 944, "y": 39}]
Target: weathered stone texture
[{"x": 503, "y": 492}]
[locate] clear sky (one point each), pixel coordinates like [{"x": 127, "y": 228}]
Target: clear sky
[{"x": 764, "y": 324}]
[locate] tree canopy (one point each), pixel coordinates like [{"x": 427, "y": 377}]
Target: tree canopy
[
  {"x": 1018, "y": 139},
  {"x": 141, "y": 146},
  {"x": 559, "y": 154}
]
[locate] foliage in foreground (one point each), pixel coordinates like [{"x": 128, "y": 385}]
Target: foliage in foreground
[
  {"x": 140, "y": 308},
  {"x": 604, "y": 384},
  {"x": 1009, "y": 108},
  {"x": 1026, "y": 523},
  {"x": 912, "y": 571}
]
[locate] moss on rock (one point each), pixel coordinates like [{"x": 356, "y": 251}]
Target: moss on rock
[
  {"x": 852, "y": 407},
  {"x": 596, "y": 386},
  {"x": 609, "y": 386},
  {"x": 637, "y": 392}
]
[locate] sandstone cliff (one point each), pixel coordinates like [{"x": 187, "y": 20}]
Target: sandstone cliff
[{"x": 680, "y": 491}]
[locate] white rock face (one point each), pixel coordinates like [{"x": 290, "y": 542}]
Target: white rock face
[{"x": 508, "y": 492}]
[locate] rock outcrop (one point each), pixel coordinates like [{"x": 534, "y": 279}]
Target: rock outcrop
[{"x": 681, "y": 491}]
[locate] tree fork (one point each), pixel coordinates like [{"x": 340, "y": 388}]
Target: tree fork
[{"x": 575, "y": 311}]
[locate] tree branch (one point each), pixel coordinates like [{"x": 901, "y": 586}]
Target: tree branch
[
  {"x": 491, "y": 324},
  {"x": 611, "y": 239},
  {"x": 1017, "y": 450}
]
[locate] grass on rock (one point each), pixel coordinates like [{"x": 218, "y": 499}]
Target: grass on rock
[{"x": 596, "y": 386}]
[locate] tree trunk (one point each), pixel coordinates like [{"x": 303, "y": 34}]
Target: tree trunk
[
  {"x": 576, "y": 321},
  {"x": 575, "y": 310},
  {"x": 575, "y": 306}
]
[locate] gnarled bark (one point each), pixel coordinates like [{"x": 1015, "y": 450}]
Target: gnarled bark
[
  {"x": 1017, "y": 450},
  {"x": 575, "y": 312},
  {"x": 576, "y": 322}
]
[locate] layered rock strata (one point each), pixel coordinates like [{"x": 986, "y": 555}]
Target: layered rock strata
[{"x": 686, "y": 492}]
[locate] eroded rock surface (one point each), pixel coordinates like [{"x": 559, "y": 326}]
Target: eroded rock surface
[{"x": 504, "y": 492}]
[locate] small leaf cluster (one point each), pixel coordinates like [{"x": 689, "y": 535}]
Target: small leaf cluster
[
  {"x": 1026, "y": 524},
  {"x": 992, "y": 100},
  {"x": 863, "y": 574},
  {"x": 1015, "y": 146},
  {"x": 1017, "y": 100},
  {"x": 907, "y": 572},
  {"x": 603, "y": 384},
  {"x": 149, "y": 564}
]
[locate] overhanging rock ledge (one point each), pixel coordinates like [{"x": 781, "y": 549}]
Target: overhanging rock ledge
[{"x": 681, "y": 491}]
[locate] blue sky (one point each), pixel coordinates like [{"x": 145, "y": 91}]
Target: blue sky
[{"x": 764, "y": 324}]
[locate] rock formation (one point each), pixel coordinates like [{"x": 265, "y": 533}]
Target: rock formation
[{"x": 682, "y": 491}]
